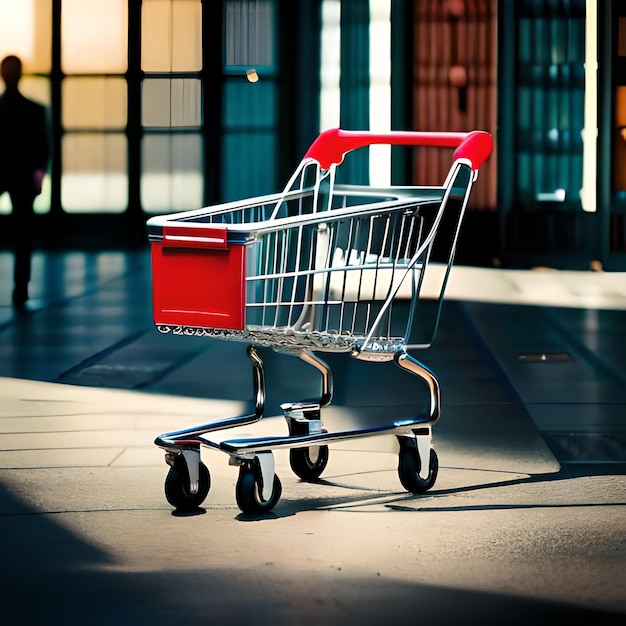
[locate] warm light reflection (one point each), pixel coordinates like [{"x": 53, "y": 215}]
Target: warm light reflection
[
  {"x": 106, "y": 98},
  {"x": 26, "y": 30},
  {"x": 17, "y": 32},
  {"x": 95, "y": 177},
  {"x": 94, "y": 36},
  {"x": 171, "y": 36}
]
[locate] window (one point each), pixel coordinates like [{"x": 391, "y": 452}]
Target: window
[
  {"x": 171, "y": 36},
  {"x": 171, "y": 109},
  {"x": 550, "y": 102},
  {"x": 26, "y": 31},
  {"x": 249, "y": 149},
  {"x": 132, "y": 103},
  {"x": 94, "y": 59}
]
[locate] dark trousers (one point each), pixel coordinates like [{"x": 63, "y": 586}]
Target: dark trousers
[{"x": 21, "y": 224}]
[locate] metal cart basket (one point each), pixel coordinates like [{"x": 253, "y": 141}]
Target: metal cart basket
[{"x": 319, "y": 267}]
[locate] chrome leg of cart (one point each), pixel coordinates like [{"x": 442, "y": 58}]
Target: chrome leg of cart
[{"x": 258, "y": 487}]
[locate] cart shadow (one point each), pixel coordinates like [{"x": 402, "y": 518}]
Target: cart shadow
[
  {"x": 290, "y": 507},
  {"x": 189, "y": 513},
  {"x": 259, "y": 517},
  {"x": 399, "y": 501}
]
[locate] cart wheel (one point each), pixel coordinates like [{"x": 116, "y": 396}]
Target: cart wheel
[
  {"x": 177, "y": 487},
  {"x": 308, "y": 463},
  {"x": 409, "y": 466},
  {"x": 248, "y": 492}
]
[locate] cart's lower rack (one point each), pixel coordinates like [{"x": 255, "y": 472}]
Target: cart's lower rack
[
  {"x": 293, "y": 340},
  {"x": 238, "y": 447}
]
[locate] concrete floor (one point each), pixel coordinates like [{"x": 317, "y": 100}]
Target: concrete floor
[{"x": 526, "y": 521}]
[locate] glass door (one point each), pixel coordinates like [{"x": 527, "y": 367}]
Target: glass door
[{"x": 545, "y": 217}]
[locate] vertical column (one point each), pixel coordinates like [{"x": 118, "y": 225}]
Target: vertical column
[
  {"x": 133, "y": 129},
  {"x": 507, "y": 34},
  {"x": 212, "y": 88},
  {"x": 401, "y": 83},
  {"x": 354, "y": 83},
  {"x": 56, "y": 78},
  {"x": 299, "y": 25}
]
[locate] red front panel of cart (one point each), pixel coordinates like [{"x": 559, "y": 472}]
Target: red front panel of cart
[{"x": 200, "y": 287}]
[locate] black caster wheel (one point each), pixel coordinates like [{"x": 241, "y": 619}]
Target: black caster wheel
[
  {"x": 409, "y": 466},
  {"x": 248, "y": 492},
  {"x": 308, "y": 463},
  {"x": 177, "y": 487}
]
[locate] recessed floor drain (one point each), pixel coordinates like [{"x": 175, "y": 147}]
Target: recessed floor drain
[{"x": 546, "y": 357}]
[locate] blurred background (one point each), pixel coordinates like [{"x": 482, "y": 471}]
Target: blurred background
[{"x": 158, "y": 106}]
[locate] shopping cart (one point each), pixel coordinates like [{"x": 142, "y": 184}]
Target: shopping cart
[{"x": 320, "y": 267}]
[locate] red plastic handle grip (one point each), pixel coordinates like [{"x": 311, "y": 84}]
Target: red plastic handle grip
[{"x": 332, "y": 145}]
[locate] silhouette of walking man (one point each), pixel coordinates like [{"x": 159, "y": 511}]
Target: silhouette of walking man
[{"x": 24, "y": 155}]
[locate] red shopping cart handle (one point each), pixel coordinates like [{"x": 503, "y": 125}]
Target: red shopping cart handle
[{"x": 332, "y": 145}]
